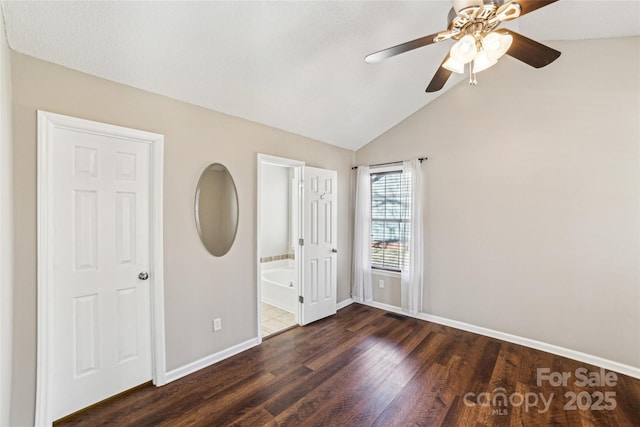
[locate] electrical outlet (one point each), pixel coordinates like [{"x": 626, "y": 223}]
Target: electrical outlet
[
  {"x": 381, "y": 284},
  {"x": 217, "y": 324}
]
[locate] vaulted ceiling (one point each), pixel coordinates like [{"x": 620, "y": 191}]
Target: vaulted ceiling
[{"x": 294, "y": 65}]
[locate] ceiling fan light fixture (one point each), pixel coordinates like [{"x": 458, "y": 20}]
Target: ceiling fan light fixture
[
  {"x": 496, "y": 45},
  {"x": 464, "y": 50},
  {"x": 482, "y": 61},
  {"x": 453, "y": 65}
]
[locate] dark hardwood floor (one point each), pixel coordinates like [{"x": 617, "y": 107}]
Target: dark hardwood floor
[{"x": 365, "y": 367}]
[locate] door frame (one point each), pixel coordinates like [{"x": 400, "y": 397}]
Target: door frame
[
  {"x": 266, "y": 159},
  {"x": 47, "y": 123}
]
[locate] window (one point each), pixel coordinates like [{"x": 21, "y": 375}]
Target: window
[{"x": 390, "y": 220}]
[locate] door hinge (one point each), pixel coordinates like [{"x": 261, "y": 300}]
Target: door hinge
[
  {"x": 301, "y": 299},
  {"x": 301, "y": 242}
]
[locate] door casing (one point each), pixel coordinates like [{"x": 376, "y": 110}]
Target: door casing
[{"x": 47, "y": 123}]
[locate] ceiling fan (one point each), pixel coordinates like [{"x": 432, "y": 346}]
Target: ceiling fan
[{"x": 479, "y": 42}]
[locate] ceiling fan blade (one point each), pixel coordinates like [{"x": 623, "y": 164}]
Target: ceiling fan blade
[
  {"x": 530, "y": 51},
  {"x": 401, "y": 48},
  {"x": 440, "y": 78},
  {"x": 527, "y": 6}
]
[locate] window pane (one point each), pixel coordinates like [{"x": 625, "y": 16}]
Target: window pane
[{"x": 389, "y": 224}]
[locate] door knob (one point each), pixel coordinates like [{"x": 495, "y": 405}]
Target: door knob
[
  {"x": 143, "y": 276},
  {"x": 334, "y": 250}
]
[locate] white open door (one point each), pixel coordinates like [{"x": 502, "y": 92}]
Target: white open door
[
  {"x": 319, "y": 248},
  {"x": 95, "y": 298}
]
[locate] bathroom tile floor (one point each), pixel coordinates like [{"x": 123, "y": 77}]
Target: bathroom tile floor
[{"x": 275, "y": 319}]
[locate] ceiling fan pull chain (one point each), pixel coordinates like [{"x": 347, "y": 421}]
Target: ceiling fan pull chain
[{"x": 472, "y": 79}]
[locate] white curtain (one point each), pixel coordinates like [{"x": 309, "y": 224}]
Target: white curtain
[
  {"x": 413, "y": 250},
  {"x": 362, "y": 237}
]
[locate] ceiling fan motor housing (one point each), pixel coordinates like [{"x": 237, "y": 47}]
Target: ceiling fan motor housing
[{"x": 477, "y": 17}]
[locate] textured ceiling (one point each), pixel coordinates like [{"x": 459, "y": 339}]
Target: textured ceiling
[{"x": 296, "y": 66}]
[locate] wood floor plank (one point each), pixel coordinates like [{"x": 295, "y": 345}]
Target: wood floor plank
[
  {"x": 202, "y": 412},
  {"x": 301, "y": 389},
  {"x": 256, "y": 417},
  {"x": 349, "y": 338},
  {"x": 339, "y": 399},
  {"x": 367, "y": 358},
  {"x": 628, "y": 409},
  {"x": 363, "y": 367},
  {"x": 408, "y": 407},
  {"x": 417, "y": 376},
  {"x": 418, "y": 358},
  {"x": 503, "y": 378},
  {"x": 237, "y": 405}
]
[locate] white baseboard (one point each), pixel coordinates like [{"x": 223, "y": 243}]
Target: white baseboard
[
  {"x": 344, "y": 303},
  {"x": 210, "y": 360},
  {"x": 527, "y": 342}
]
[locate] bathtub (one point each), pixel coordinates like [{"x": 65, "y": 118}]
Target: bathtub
[{"x": 279, "y": 288}]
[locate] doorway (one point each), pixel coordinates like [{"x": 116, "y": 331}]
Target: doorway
[
  {"x": 297, "y": 244},
  {"x": 100, "y": 281},
  {"x": 278, "y": 235}
]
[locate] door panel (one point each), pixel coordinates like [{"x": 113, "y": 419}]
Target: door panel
[
  {"x": 318, "y": 252},
  {"x": 101, "y": 326}
]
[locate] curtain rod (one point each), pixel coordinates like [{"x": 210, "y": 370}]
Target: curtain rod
[{"x": 422, "y": 159}]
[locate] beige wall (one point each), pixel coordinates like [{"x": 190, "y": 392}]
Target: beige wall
[
  {"x": 198, "y": 286},
  {"x": 6, "y": 228},
  {"x": 532, "y": 187},
  {"x": 390, "y": 293}
]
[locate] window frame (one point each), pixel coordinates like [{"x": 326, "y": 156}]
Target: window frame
[{"x": 375, "y": 170}]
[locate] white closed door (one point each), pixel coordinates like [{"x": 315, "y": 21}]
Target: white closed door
[
  {"x": 100, "y": 303},
  {"x": 319, "y": 249}
]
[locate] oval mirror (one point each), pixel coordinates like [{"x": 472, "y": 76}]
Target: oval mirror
[{"x": 216, "y": 209}]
